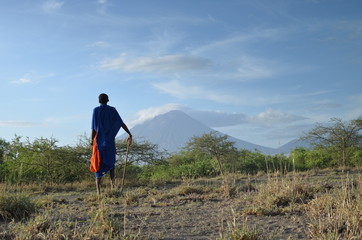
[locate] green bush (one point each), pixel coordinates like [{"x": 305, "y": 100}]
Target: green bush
[
  {"x": 319, "y": 158},
  {"x": 42, "y": 160}
]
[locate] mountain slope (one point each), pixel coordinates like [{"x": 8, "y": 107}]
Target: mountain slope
[
  {"x": 172, "y": 130},
  {"x": 286, "y": 148}
]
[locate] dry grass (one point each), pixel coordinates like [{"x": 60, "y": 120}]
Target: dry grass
[
  {"x": 280, "y": 196},
  {"x": 234, "y": 231},
  {"x": 320, "y": 205},
  {"x": 337, "y": 214},
  {"x": 16, "y": 206}
]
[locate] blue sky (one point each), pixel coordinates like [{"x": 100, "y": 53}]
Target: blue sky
[{"x": 259, "y": 70}]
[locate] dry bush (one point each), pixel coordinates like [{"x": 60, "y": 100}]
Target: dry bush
[
  {"x": 337, "y": 214},
  {"x": 113, "y": 193},
  {"x": 131, "y": 199},
  {"x": 280, "y": 195},
  {"x": 235, "y": 231},
  {"x": 42, "y": 226},
  {"x": 184, "y": 190},
  {"x": 228, "y": 187},
  {"x": 16, "y": 206}
]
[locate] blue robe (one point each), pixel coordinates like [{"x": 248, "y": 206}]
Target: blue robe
[{"x": 106, "y": 122}]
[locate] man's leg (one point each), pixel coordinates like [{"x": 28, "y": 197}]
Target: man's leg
[
  {"x": 111, "y": 174},
  {"x": 98, "y": 185}
]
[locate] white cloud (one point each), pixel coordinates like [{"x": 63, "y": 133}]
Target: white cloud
[
  {"x": 52, "y": 5},
  {"x": 218, "y": 118},
  {"x": 23, "y": 80},
  {"x": 224, "y": 119},
  {"x": 100, "y": 44},
  {"x": 102, "y": 1},
  {"x": 174, "y": 88},
  {"x": 274, "y": 117},
  {"x": 209, "y": 118},
  {"x": 151, "y": 112},
  {"x": 168, "y": 63}
]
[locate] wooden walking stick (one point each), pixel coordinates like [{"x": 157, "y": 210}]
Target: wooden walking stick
[{"x": 124, "y": 168}]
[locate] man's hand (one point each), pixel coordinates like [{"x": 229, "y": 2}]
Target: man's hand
[
  {"x": 91, "y": 144},
  {"x": 129, "y": 140}
]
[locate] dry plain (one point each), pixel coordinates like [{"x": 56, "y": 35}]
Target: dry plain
[{"x": 324, "y": 204}]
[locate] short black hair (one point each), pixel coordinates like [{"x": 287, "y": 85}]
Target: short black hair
[{"x": 103, "y": 98}]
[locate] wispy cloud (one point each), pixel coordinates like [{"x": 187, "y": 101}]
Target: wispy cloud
[
  {"x": 218, "y": 118},
  {"x": 22, "y": 124},
  {"x": 190, "y": 90},
  {"x": 51, "y": 120},
  {"x": 355, "y": 107},
  {"x": 23, "y": 80},
  {"x": 224, "y": 120},
  {"x": 100, "y": 44},
  {"x": 268, "y": 127},
  {"x": 163, "y": 41},
  {"x": 229, "y": 42},
  {"x": 51, "y": 5},
  {"x": 209, "y": 118},
  {"x": 169, "y": 63},
  {"x": 251, "y": 68},
  {"x": 174, "y": 88}
]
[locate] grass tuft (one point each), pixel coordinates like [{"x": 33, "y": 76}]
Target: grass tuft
[
  {"x": 279, "y": 196},
  {"x": 235, "y": 231},
  {"x": 16, "y": 206},
  {"x": 184, "y": 190},
  {"x": 337, "y": 215}
]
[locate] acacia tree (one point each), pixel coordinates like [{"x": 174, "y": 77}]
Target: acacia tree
[
  {"x": 339, "y": 136},
  {"x": 3, "y": 146},
  {"x": 140, "y": 152},
  {"x": 217, "y": 146}
]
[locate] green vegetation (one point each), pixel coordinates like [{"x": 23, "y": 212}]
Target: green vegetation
[
  {"x": 43, "y": 161},
  {"x": 47, "y": 190}
]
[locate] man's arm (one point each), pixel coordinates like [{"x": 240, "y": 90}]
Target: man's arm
[
  {"x": 94, "y": 126},
  {"x": 93, "y": 135},
  {"x": 129, "y": 139}
]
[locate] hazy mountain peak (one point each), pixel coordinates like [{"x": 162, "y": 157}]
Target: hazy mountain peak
[{"x": 172, "y": 130}]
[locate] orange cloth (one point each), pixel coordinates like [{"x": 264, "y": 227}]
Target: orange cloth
[{"x": 95, "y": 161}]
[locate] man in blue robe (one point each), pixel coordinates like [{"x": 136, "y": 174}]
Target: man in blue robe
[{"x": 106, "y": 123}]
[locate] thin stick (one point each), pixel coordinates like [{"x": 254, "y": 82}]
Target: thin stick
[{"x": 124, "y": 168}]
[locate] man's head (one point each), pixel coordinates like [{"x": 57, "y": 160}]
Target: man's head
[{"x": 103, "y": 98}]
